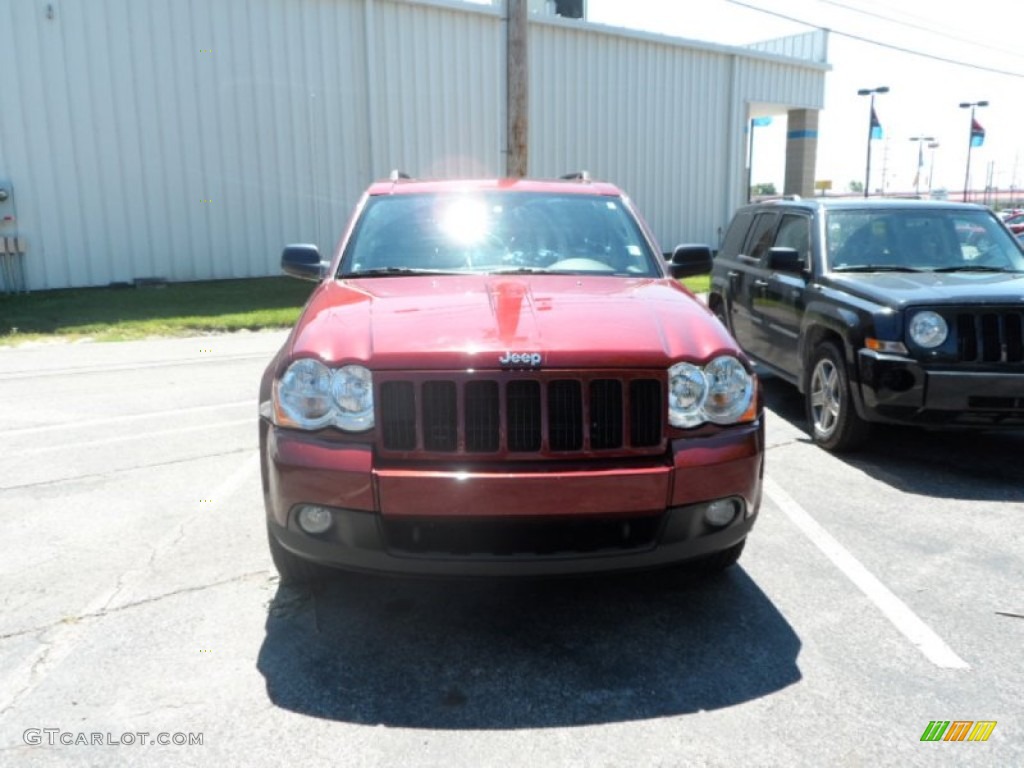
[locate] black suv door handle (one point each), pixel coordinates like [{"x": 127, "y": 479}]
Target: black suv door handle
[
  {"x": 760, "y": 283},
  {"x": 732, "y": 274}
]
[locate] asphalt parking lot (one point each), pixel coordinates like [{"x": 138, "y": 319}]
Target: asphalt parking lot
[{"x": 877, "y": 593}]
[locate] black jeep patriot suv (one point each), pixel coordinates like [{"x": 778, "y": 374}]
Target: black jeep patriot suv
[{"x": 899, "y": 311}]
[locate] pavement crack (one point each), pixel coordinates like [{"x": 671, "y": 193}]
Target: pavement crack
[
  {"x": 792, "y": 441},
  {"x": 105, "y": 611},
  {"x": 31, "y": 676}
]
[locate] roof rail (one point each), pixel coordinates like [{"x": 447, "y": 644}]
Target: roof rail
[
  {"x": 397, "y": 175},
  {"x": 582, "y": 176},
  {"x": 779, "y": 198}
]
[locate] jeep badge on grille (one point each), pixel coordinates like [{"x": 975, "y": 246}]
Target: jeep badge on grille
[{"x": 520, "y": 359}]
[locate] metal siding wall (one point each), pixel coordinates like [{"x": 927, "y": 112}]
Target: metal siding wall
[
  {"x": 114, "y": 126},
  {"x": 648, "y": 116},
  {"x": 810, "y": 46},
  {"x": 440, "y": 91}
]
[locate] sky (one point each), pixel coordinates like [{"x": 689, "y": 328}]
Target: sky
[{"x": 924, "y": 93}]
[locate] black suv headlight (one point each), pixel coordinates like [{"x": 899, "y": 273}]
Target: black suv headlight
[{"x": 928, "y": 329}]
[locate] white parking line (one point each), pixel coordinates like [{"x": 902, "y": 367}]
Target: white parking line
[
  {"x": 251, "y": 403},
  {"x": 117, "y": 367},
  {"x": 147, "y": 435},
  {"x": 894, "y": 609},
  {"x": 57, "y": 644}
]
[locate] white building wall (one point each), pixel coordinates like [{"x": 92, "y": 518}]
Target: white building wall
[
  {"x": 661, "y": 117},
  {"x": 192, "y": 140}
]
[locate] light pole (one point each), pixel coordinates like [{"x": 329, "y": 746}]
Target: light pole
[
  {"x": 931, "y": 165},
  {"x": 872, "y": 124},
  {"x": 920, "y": 159},
  {"x": 970, "y": 140}
]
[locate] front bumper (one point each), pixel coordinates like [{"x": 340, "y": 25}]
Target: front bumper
[
  {"x": 398, "y": 518},
  {"x": 900, "y": 390}
]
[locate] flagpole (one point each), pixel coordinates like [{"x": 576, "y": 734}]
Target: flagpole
[
  {"x": 970, "y": 141},
  {"x": 872, "y": 122},
  {"x": 920, "y": 139}
]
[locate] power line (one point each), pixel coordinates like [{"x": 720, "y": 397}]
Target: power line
[
  {"x": 869, "y": 41},
  {"x": 921, "y": 27}
]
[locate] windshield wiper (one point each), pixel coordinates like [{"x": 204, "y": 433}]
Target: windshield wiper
[
  {"x": 395, "y": 271},
  {"x": 878, "y": 268},
  {"x": 518, "y": 271},
  {"x": 973, "y": 268}
]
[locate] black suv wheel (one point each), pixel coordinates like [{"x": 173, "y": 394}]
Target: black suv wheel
[{"x": 835, "y": 423}]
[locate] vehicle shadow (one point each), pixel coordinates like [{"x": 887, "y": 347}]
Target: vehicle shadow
[
  {"x": 493, "y": 654},
  {"x": 949, "y": 464}
]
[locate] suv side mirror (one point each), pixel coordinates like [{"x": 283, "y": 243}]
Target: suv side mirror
[
  {"x": 688, "y": 260},
  {"x": 782, "y": 259},
  {"x": 303, "y": 262}
]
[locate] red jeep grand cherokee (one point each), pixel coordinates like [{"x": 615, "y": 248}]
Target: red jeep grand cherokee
[{"x": 504, "y": 377}]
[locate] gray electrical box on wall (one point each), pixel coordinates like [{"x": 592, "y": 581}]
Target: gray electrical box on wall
[{"x": 12, "y": 245}]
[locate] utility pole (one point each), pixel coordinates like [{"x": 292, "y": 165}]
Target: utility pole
[{"x": 517, "y": 75}]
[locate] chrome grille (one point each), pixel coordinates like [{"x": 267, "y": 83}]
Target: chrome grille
[{"x": 518, "y": 415}]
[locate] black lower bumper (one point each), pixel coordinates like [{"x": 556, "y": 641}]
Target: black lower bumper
[
  {"x": 363, "y": 541},
  {"x": 901, "y": 391}
]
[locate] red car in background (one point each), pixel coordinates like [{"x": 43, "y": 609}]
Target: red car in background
[
  {"x": 1015, "y": 223},
  {"x": 505, "y": 377}
]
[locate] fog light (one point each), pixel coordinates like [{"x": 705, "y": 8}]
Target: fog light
[
  {"x": 720, "y": 513},
  {"x": 313, "y": 519}
]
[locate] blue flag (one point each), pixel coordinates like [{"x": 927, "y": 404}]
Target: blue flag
[
  {"x": 977, "y": 134},
  {"x": 876, "y": 127}
]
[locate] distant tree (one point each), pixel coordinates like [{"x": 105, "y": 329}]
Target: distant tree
[
  {"x": 856, "y": 186},
  {"x": 761, "y": 190}
]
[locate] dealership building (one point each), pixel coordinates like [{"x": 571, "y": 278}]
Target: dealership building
[{"x": 175, "y": 141}]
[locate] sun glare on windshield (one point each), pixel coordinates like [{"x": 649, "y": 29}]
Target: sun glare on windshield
[{"x": 465, "y": 221}]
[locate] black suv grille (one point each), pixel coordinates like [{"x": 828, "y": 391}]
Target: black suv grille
[
  {"x": 991, "y": 336},
  {"x": 560, "y": 413}
]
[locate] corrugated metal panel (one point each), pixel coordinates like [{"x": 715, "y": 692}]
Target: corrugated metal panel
[
  {"x": 650, "y": 116},
  {"x": 775, "y": 83},
  {"x": 810, "y": 46},
  {"x": 191, "y": 140},
  {"x": 439, "y": 98}
]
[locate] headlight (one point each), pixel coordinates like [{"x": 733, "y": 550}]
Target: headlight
[
  {"x": 352, "y": 388},
  {"x": 928, "y": 329},
  {"x": 310, "y": 396},
  {"x": 721, "y": 392},
  {"x": 686, "y": 392},
  {"x": 730, "y": 390}
]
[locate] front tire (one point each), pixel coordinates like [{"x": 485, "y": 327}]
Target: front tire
[
  {"x": 292, "y": 568},
  {"x": 835, "y": 424},
  {"x": 720, "y": 561}
]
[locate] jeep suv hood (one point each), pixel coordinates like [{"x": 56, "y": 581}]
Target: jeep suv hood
[
  {"x": 902, "y": 289},
  {"x": 451, "y": 322}
]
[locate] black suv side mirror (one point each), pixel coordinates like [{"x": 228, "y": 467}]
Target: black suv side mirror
[
  {"x": 303, "y": 262},
  {"x": 782, "y": 259},
  {"x": 689, "y": 260}
]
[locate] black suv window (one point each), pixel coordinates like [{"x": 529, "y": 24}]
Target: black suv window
[
  {"x": 795, "y": 232},
  {"x": 736, "y": 235},
  {"x": 761, "y": 235},
  {"x": 923, "y": 239}
]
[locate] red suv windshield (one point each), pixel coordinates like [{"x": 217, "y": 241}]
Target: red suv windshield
[{"x": 495, "y": 232}]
